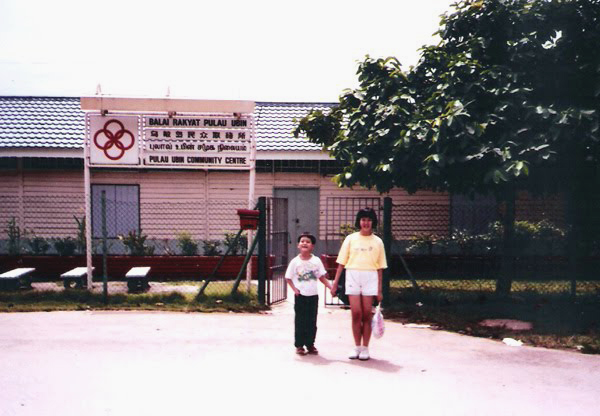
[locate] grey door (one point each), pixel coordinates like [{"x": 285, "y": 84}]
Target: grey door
[{"x": 303, "y": 215}]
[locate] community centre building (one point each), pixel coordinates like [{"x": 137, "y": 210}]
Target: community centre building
[{"x": 195, "y": 164}]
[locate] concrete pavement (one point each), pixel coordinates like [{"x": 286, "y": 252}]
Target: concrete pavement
[{"x": 152, "y": 363}]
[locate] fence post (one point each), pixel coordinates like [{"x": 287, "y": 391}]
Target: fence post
[
  {"x": 387, "y": 243},
  {"x": 573, "y": 237},
  {"x": 104, "y": 249},
  {"x": 261, "y": 235},
  {"x": 507, "y": 266}
]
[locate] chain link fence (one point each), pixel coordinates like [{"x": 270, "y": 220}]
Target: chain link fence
[
  {"x": 458, "y": 248},
  {"x": 181, "y": 242},
  {"x": 449, "y": 246},
  {"x": 454, "y": 247}
]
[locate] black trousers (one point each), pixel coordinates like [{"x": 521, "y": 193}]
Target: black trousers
[{"x": 305, "y": 322}]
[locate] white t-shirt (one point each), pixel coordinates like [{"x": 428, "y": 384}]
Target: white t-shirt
[{"x": 304, "y": 274}]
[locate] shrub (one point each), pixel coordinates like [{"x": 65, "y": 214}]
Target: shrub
[
  {"x": 464, "y": 241},
  {"x": 80, "y": 244},
  {"x": 186, "y": 244},
  {"x": 13, "y": 231},
  {"x": 65, "y": 246},
  {"x": 240, "y": 246},
  {"x": 38, "y": 245},
  {"x": 166, "y": 246},
  {"x": 549, "y": 237},
  {"x": 542, "y": 237},
  {"x": 136, "y": 244},
  {"x": 211, "y": 247},
  {"x": 423, "y": 243}
]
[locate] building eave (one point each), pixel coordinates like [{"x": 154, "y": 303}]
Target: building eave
[
  {"x": 45, "y": 152},
  {"x": 165, "y": 105},
  {"x": 292, "y": 155}
]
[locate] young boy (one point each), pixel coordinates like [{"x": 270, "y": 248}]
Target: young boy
[{"x": 301, "y": 275}]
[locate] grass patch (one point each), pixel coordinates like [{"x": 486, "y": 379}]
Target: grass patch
[
  {"x": 584, "y": 287},
  {"x": 213, "y": 301},
  {"x": 559, "y": 321}
]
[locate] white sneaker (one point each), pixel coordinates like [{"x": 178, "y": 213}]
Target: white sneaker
[
  {"x": 355, "y": 353},
  {"x": 364, "y": 354}
]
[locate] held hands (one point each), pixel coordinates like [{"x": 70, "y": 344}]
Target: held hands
[{"x": 333, "y": 289}]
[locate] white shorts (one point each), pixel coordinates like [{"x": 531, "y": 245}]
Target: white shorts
[{"x": 361, "y": 282}]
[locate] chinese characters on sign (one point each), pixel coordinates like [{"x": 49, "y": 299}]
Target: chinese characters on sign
[
  {"x": 223, "y": 142},
  {"x": 192, "y": 134}
]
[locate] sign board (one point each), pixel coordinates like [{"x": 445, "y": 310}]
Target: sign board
[
  {"x": 113, "y": 140},
  {"x": 158, "y": 141}
]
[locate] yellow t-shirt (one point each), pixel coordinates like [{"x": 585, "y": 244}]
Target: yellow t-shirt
[{"x": 362, "y": 252}]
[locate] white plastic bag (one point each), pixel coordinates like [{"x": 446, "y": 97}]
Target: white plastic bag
[{"x": 377, "y": 324}]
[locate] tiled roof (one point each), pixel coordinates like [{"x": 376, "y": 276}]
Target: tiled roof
[
  {"x": 275, "y": 124},
  {"x": 58, "y": 122},
  {"x": 50, "y": 122}
]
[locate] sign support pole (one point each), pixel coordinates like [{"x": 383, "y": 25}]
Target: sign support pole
[
  {"x": 251, "y": 203},
  {"x": 212, "y": 135},
  {"x": 88, "y": 211}
]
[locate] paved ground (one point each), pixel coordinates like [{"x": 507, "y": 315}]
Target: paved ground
[{"x": 136, "y": 363}]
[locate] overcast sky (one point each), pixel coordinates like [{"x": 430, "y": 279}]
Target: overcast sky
[{"x": 258, "y": 50}]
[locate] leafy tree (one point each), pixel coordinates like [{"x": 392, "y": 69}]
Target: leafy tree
[{"x": 509, "y": 99}]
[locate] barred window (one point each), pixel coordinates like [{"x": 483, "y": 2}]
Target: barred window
[{"x": 122, "y": 209}]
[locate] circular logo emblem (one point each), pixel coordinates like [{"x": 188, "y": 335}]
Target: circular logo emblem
[{"x": 114, "y": 139}]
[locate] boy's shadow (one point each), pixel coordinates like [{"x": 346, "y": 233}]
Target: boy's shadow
[{"x": 373, "y": 363}]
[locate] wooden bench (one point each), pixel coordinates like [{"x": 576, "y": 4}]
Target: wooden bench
[
  {"x": 75, "y": 278},
  {"x": 137, "y": 279},
  {"x": 16, "y": 279}
]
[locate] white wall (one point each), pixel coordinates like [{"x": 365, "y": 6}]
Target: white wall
[{"x": 170, "y": 201}]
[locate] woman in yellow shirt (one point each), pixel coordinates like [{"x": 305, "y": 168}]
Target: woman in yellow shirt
[{"x": 363, "y": 256}]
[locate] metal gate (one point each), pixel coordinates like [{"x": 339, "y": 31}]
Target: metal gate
[
  {"x": 277, "y": 249},
  {"x": 340, "y": 214}
]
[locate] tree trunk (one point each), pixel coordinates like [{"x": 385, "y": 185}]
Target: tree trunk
[{"x": 507, "y": 269}]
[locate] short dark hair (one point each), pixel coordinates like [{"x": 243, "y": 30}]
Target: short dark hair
[
  {"x": 312, "y": 238},
  {"x": 366, "y": 212}
]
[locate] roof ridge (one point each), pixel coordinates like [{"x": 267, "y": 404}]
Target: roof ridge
[
  {"x": 257, "y": 102},
  {"x": 41, "y": 96},
  {"x": 297, "y": 102}
]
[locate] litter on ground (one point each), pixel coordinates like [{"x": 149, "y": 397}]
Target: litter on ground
[{"x": 512, "y": 342}]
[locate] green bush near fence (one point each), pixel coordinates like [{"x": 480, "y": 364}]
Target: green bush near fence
[
  {"x": 37, "y": 245},
  {"x": 186, "y": 243},
  {"x": 65, "y": 246},
  {"x": 236, "y": 247},
  {"x": 533, "y": 238},
  {"x": 14, "y": 234},
  {"x": 211, "y": 247},
  {"x": 136, "y": 243}
]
